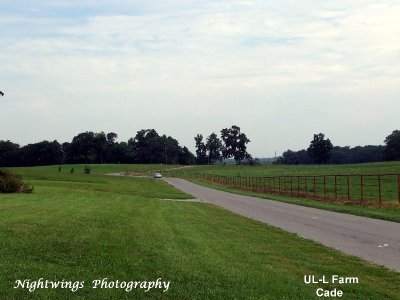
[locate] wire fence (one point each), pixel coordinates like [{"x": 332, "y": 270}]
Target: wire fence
[{"x": 379, "y": 189}]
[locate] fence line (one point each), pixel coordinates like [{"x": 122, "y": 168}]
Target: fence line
[{"x": 362, "y": 188}]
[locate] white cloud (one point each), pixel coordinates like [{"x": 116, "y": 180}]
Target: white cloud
[{"x": 280, "y": 70}]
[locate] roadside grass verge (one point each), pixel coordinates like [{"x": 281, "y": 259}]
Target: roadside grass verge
[{"x": 86, "y": 227}]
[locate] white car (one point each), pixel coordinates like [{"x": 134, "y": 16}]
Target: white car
[{"x": 157, "y": 175}]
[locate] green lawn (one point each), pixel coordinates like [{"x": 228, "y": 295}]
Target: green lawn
[{"x": 78, "y": 227}]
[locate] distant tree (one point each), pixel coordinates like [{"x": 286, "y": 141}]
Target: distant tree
[
  {"x": 119, "y": 153},
  {"x": 82, "y": 149},
  {"x": 320, "y": 149},
  {"x": 147, "y": 147},
  {"x": 234, "y": 144},
  {"x": 358, "y": 154},
  {"x": 290, "y": 157},
  {"x": 100, "y": 147},
  {"x": 392, "y": 150},
  {"x": 41, "y": 154},
  {"x": 111, "y": 138},
  {"x": 171, "y": 149},
  {"x": 214, "y": 148},
  {"x": 9, "y": 154},
  {"x": 186, "y": 157},
  {"x": 201, "y": 150}
]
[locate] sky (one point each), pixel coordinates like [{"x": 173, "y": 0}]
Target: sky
[{"x": 280, "y": 70}]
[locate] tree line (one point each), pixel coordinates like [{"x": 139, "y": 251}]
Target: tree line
[
  {"x": 149, "y": 147},
  {"x": 322, "y": 151},
  {"x": 90, "y": 147}
]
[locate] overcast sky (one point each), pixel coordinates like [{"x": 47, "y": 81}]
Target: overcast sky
[{"x": 280, "y": 70}]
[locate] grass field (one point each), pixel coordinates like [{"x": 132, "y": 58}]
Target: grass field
[
  {"x": 85, "y": 227},
  {"x": 389, "y": 185},
  {"x": 293, "y": 170}
]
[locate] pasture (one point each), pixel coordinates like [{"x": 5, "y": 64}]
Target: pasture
[{"x": 84, "y": 227}]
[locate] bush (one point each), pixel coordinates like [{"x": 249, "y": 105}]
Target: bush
[
  {"x": 12, "y": 183},
  {"x": 87, "y": 170}
]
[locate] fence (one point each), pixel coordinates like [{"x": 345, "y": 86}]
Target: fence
[{"x": 382, "y": 189}]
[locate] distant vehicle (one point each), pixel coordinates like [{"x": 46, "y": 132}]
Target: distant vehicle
[{"x": 157, "y": 175}]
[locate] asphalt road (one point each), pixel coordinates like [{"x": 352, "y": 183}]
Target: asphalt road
[{"x": 375, "y": 240}]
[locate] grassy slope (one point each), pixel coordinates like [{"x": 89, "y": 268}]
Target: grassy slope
[{"x": 81, "y": 227}]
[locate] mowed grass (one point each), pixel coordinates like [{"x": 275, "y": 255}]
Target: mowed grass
[
  {"x": 78, "y": 227},
  {"x": 389, "y": 188},
  {"x": 97, "y": 169}
]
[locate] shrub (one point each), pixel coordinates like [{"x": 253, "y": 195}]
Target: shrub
[
  {"x": 87, "y": 170},
  {"x": 12, "y": 183}
]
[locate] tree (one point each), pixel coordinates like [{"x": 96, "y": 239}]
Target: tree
[
  {"x": 111, "y": 138},
  {"x": 171, "y": 149},
  {"x": 234, "y": 144},
  {"x": 100, "y": 146},
  {"x": 9, "y": 154},
  {"x": 186, "y": 157},
  {"x": 201, "y": 150},
  {"x": 86, "y": 147},
  {"x": 41, "y": 154},
  {"x": 81, "y": 149},
  {"x": 147, "y": 147},
  {"x": 320, "y": 149},
  {"x": 214, "y": 147},
  {"x": 392, "y": 150}
]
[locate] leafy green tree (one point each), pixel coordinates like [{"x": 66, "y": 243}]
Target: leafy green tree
[
  {"x": 82, "y": 149},
  {"x": 201, "y": 150},
  {"x": 41, "y": 154},
  {"x": 214, "y": 148},
  {"x": 171, "y": 149},
  {"x": 147, "y": 146},
  {"x": 111, "y": 138},
  {"x": 392, "y": 150},
  {"x": 186, "y": 157},
  {"x": 320, "y": 149},
  {"x": 235, "y": 144},
  {"x": 100, "y": 147},
  {"x": 9, "y": 154}
]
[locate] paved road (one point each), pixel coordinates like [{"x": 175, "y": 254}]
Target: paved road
[{"x": 374, "y": 240}]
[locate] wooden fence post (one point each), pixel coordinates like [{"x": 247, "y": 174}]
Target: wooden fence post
[
  {"x": 398, "y": 188},
  {"x": 348, "y": 187},
  {"x": 362, "y": 187},
  {"x": 379, "y": 189},
  {"x": 315, "y": 187},
  {"x": 335, "y": 187},
  {"x": 305, "y": 185},
  {"x": 298, "y": 185}
]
